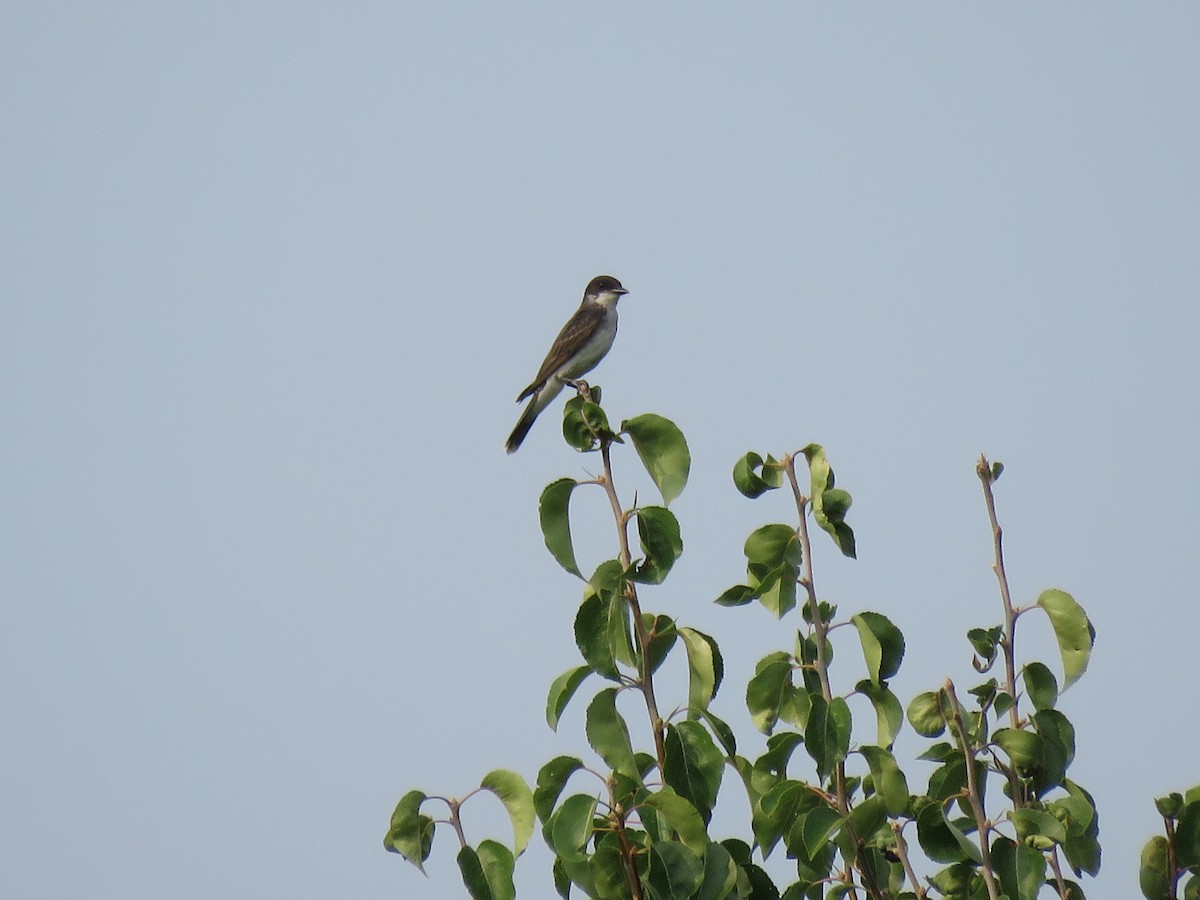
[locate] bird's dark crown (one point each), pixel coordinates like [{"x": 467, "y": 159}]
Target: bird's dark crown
[{"x": 604, "y": 284}]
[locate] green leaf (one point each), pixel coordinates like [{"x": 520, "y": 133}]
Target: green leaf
[
  {"x": 1034, "y": 823},
  {"x": 706, "y": 669},
  {"x": 882, "y": 643},
  {"x": 749, "y": 482},
  {"x": 1082, "y": 846},
  {"x": 662, "y": 633},
  {"x": 681, "y": 816},
  {"x": 1154, "y": 875},
  {"x": 608, "y": 734},
  {"x": 829, "y": 504},
  {"x": 473, "y": 876},
  {"x": 592, "y": 635},
  {"x": 985, "y": 642},
  {"x": 888, "y": 715},
  {"x": 890, "y": 782},
  {"x": 767, "y": 691},
  {"x": 738, "y": 595},
  {"x": 410, "y": 833},
  {"x": 1058, "y": 748},
  {"x": 607, "y": 867},
  {"x": 585, "y": 423},
  {"x": 720, "y": 875},
  {"x": 495, "y": 863},
  {"x": 571, "y": 826},
  {"x": 694, "y": 765},
  {"x": 561, "y": 692},
  {"x": 773, "y": 546},
  {"x": 1023, "y": 748},
  {"x": 552, "y": 777},
  {"x": 658, "y": 533},
  {"x": 663, "y": 452},
  {"x": 942, "y": 841},
  {"x": 517, "y": 798},
  {"x": 827, "y": 737},
  {"x": 867, "y": 818},
  {"x": 1187, "y": 835},
  {"x": 1073, "y": 631},
  {"x": 556, "y": 523},
  {"x": 817, "y": 825},
  {"x": 776, "y": 811},
  {"x": 925, "y": 716},
  {"x": 1021, "y": 869},
  {"x": 675, "y": 871}
]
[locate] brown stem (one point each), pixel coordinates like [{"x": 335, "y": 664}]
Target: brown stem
[
  {"x": 1058, "y": 875},
  {"x": 902, "y": 852},
  {"x": 1007, "y": 643},
  {"x": 973, "y": 792},
  {"x": 821, "y": 628},
  {"x": 646, "y": 680},
  {"x": 631, "y": 874}
]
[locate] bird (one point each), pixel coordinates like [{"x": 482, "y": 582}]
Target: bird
[{"x": 582, "y": 343}]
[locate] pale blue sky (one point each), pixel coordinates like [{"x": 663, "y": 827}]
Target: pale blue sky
[{"x": 272, "y": 274}]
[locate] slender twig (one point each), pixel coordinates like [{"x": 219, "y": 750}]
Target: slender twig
[
  {"x": 646, "y": 682},
  {"x": 974, "y": 796},
  {"x": 902, "y": 852},
  {"x": 821, "y": 629},
  {"x": 1058, "y": 875},
  {"x": 984, "y": 470},
  {"x": 627, "y": 853}
]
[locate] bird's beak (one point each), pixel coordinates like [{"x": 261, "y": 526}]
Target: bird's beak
[{"x": 620, "y": 291}]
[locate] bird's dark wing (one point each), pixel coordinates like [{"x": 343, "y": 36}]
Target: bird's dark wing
[{"x": 573, "y": 336}]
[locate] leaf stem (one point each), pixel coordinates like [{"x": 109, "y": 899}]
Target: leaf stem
[{"x": 974, "y": 796}]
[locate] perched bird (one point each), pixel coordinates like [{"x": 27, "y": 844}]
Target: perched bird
[{"x": 580, "y": 345}]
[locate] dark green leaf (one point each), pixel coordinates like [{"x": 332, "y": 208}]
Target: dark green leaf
[
  {"x": 942, "y": 841},
  {"x": 662, "y": 632},
  {"x": 749, "y": 482},
  {"x": 738, "y": 595},
  {"x": 816, "y": 827},
  {"x": 1058, "y": 748},
  {"x": 706, "y": 668},
  {"x": 827, "y": 737},
  {"x": 658, "y": 533},
  {"x": 675, "y": 871},
  {"x": 663, "y": 452},
  {"x": 773, "y": 546},
  {"x": 498, "y": 863},
  {"x": 1187, "y": 835},
  {"x": 607, "y": 867},
  {"x": 517, "y": 798},
  {"x": 681, "y": 816},
  {"x": 556, "y": 522},
  {"x": 584, "y": 424},
  {"x": 1073, "y": 631},
  {"x": 882, "y": 643},
  {"x": 767, "y": 691},
  {"x": 592, "y": 635},
  {"x": 608, "y": 734},
  {"x": 571, "y": 826},
  {"x": 410, "y": 833},
  {"x": 561, "y": 692},
  {"x": 1083, "y": 850},
  {"x": 1169, "y": 806},
  {"x": 1041, "y": 685},
  {"x": 1021, "y": 869},
  {"x": 694, "y": 765},
  {"x": 985, "y": 642},
  {"x": 720, "y": 875},
  {"x": 473, "y": 875},
  {"x": 551, "y": 779},
  {"x": 829, "y": 504},
  {"x": 867, "y": 818}
]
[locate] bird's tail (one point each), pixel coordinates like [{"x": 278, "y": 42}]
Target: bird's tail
[{"x": 523, "y": 425}]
